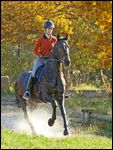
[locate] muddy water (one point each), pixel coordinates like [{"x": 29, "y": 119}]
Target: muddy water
[
  {"x": 10, "y": 115},
  {"x": 13, "y": 118}
]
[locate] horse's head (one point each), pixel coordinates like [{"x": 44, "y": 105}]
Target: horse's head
[{"x": 61, "y": 50}]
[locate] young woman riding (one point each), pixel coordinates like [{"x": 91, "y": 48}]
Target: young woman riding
[{"x": 42, "y": 49}]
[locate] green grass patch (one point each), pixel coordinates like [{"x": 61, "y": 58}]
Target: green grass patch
[
  {"x": 102, "y": 128},
  {"x": 99, "y": 105},
  {"x": 84, "y": 86},
  {"x": 13, "y": 140}
]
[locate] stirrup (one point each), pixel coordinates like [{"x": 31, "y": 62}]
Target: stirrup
[
  {"x": 66, "y": 95},
  {"x": 27, "y": 95}
]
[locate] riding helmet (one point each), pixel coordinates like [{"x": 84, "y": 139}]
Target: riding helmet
[{"x": 49, "y": 24}]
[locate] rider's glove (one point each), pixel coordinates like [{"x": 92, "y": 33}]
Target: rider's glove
[{"x": 44, "y": 57}]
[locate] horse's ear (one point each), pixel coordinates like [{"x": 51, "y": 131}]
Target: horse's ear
[{"x": 58, "y": 36}]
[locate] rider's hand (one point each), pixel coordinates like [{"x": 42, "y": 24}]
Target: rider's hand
[{"x": 44, "y": 57}]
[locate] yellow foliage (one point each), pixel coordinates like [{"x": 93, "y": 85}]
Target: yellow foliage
[
  {"x": 39, "y": 18},
  {"x": 94, "y": 3},
  {"x": 96, "y": 22},
  {"x": 88, "y": 23}
]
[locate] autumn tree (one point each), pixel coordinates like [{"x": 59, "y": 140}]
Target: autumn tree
[{"x": 88, "y": 23}]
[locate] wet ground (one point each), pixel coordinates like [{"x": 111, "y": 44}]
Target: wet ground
[{"x": 12, "y": 117}]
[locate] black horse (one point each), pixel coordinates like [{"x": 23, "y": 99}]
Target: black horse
[{"x": 51, "y": 86}]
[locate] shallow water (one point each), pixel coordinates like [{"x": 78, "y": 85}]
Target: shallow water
[{"x": 13, "y": 118}]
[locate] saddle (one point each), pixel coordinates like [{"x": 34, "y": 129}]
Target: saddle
[
  {"x": 39, "y": 73},
  {"x": 38, "y": 77}
]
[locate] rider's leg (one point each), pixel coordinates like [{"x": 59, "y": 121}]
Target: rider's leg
[
  {"x": 42, "y": 62},
  {"x": 27, "y": 94}
]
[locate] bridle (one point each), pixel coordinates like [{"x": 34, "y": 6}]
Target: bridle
[{"x": 58, "y": 57}]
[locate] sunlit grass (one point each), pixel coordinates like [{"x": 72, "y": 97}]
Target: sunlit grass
[
  {"x": 99, "y": 105},
  {"x": 13, "y": 140},
  {"x": 84, "y": 87}
]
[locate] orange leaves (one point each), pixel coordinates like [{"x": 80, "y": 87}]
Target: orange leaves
[
  {"x": 89, "y": 24},
  {"x": 94, "y": 3},
  {"x": 64, "y": 24}
]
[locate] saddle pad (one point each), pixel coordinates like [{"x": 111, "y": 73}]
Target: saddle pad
[
  {"x": 40, "y": 73},
  {"x": 38, "y": 77},
  {"x": 26, "y": 76}
]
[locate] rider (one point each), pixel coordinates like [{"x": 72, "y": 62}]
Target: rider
[{"x": 42, "y": 48}]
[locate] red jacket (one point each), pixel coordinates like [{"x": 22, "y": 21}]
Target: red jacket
[{"x": 44, "y": 46}]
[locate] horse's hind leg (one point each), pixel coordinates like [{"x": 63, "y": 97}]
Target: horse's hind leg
[
  {"x": 26, "y": 117},
  {"x": 18, "y": 101},
  {"x": 63, "y": 113}
]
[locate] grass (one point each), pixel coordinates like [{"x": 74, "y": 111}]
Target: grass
[
  {"x": 84, "y": 87},
  {"x": 13, "y": 140},
  {"x": 99, "y": 105}
]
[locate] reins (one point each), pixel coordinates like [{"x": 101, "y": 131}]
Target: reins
[{"x": 55, "y": 60}]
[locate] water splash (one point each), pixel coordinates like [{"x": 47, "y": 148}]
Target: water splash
[{"x": 39, "y": 119}]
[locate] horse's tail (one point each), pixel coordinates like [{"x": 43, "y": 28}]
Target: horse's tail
[
  {"x": 15, "y": 87},
  {"x": 17, "y": 83},
  {"x": 19, "y": 87},
  {"x": 18, "y": 93}
]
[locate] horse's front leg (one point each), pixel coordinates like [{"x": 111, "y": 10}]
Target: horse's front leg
[
  {"x": 63, "y": 113},
  {"x": 54, "y": 105}
]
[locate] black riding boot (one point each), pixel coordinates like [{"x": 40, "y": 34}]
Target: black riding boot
[{"x": 27, "y": 94}]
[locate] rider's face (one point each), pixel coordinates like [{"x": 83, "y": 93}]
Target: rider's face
[{"x": 49, "y": 31}]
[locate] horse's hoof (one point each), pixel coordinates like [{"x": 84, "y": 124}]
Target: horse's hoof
[
  {"x": 50, "y": 122},
  {"x": 66, "y": 132}
]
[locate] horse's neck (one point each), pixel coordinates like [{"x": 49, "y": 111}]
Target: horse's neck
[{"x": 54, "y": 66}]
